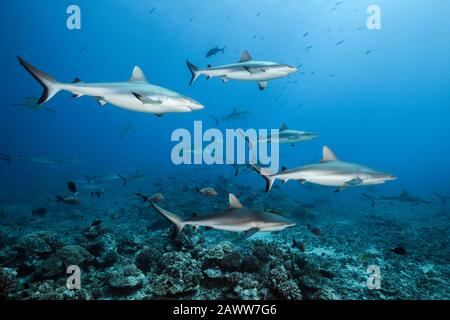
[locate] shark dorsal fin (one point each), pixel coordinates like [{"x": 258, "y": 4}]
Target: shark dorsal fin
[
  {"x": 245, "y": 56},
  {"x": 138, "y": 75},
  {"x": 328, "y": 155},
  {"x": 404, "y": 193},
  {"x": 283, "y": 126},
  {"x": 234, "y": 202}
]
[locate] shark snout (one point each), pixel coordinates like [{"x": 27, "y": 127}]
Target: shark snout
[
  {"x": 391, "y": 177},
  {"x": 192, "y": 104}
]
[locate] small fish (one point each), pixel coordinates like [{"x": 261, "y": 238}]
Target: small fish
[
  {"x": 214, "y": 51},
  {"x": 209, "y": 192},
  {"x": 368, "y": 51},
  {"x": 339, "y": 43},
  {"x": 84, "y": 48},
  {"x": 399, "y": 250},
  {"x": 151, "y": 11},
  {"x": 5, "y": 157},
  {"x": 305, "y": 34},
  {"x": 71, "y": 200},
  {"x": 258, "y": 14},
  {"x": 308, "y": 48},
  {"x": 39, "y": 212}
]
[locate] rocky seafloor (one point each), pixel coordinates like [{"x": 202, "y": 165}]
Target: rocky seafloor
[{"x": 127, "y": 251}]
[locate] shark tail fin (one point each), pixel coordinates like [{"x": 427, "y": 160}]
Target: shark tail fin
[
  {"x": 176, "y": 220},
  {"x": 215, "y": 119},
  {"x": 372, "y": 199},
  {"x": 266, "y": 174},
  {"x": 50, "y": 85},
  {"x": 88, "y": 179},
  {"x": 123, "y": 179},
  {"x": 194, "y": 72}
]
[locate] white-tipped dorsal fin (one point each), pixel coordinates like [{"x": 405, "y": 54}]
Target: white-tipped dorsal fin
[
  {"x": 328, "y": 155},
  {"x": 245, "y": 56},
  {"x": 234, "y": 202},
  {"x": 138, "y": 75},
  {"x": 283, "y": 126}
]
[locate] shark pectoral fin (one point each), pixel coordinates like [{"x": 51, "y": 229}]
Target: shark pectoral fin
[
  {"x": 101, "y": 101},
  {"x": 262, "y": 85},
  {"x": 76, "y": 95},
  {"x": 234, "y": 202},
  {"x": 354, "y": 182},
  {"x": 145, "y": 99},
  {"x": 76, "y": 80},
  {"x": 248, "y": 233},
  {"x": 248, "y": 69}
]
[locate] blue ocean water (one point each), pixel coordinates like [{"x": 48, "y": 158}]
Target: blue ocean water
[{"x": 376, "y": 97}]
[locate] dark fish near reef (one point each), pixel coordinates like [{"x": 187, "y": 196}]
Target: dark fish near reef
[
  {"x": 72, "y": 187},
  {"x": 315, "y": 230},
  {"x": 39, "y": 212},
  {"x": 157, "y": 197},
  {"x": 236, "y": 218},
  {"x": 214, "y": 51},
  {"x": 72, "y": 200},
  {"x": 97, "y": 193},
  {"x": 399, "y": 250},
  {"x": 299, "y": 245},
  {"x": 96, "y": 223}
]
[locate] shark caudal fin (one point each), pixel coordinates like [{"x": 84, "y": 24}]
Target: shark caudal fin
[
  {"x": 194, "y": 72},
  {"x": 176, "y": 220},
  {"x": 50, "y": 85},
  {"x": 266, "y": 174},
  {"x": 217, "y": 120}
]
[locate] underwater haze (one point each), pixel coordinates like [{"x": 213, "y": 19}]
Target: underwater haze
[{"x": 86, "y": 181}]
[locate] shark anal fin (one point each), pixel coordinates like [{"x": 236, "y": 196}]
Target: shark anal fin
[
  {"x": 262, "y": 85},
  {"x": 159, "y": 115}
]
